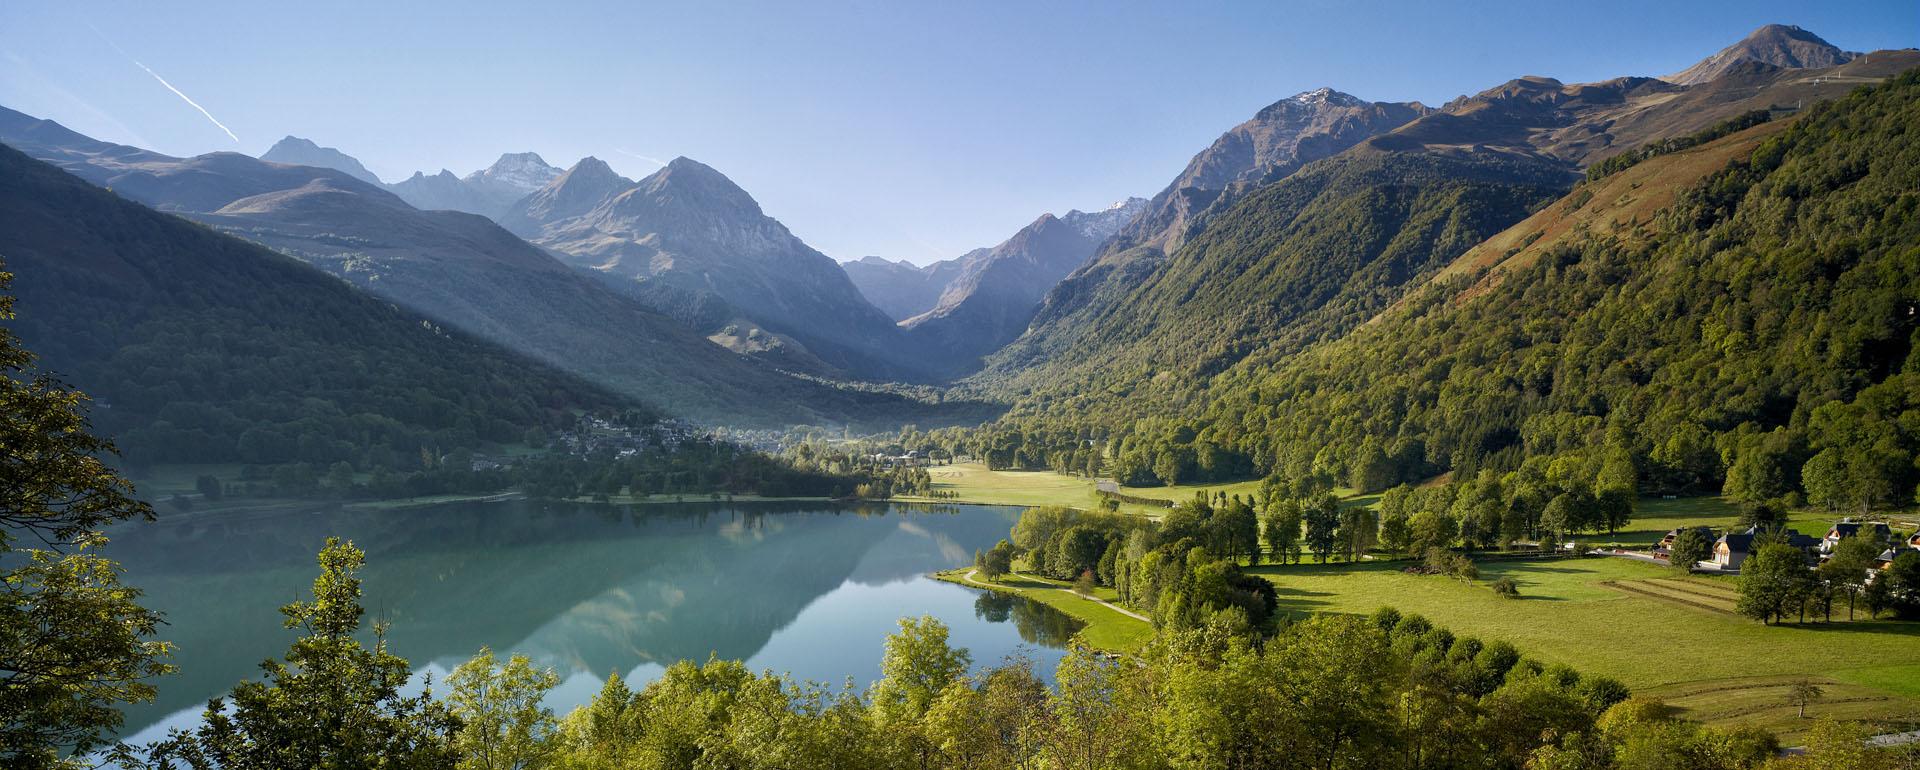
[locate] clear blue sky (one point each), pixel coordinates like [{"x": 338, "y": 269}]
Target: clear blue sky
[{"x": 906, "y": 129}]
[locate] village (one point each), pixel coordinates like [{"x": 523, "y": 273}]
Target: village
[{"x": 1730, "y": 549}]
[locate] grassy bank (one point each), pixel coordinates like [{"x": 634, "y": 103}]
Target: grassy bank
[{"x": 1104, "y": 628}]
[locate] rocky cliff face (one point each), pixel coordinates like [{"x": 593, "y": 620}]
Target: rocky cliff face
[
  {"x": 1278, "y": 140},
  {"x": 690, "y": 241}
]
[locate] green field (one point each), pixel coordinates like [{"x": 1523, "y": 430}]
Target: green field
[
  {"x": 1661, "y": 634},
  {"x": 973, "y": 483}
]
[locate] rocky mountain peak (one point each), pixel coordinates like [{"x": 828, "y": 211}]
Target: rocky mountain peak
[
  {"x": 525, "y": 171},
  {"x": 689, "y": 178},
  {"x": 1103, "y": 224},
  {"x": 1780, "y": 45},
  {"x": 295, "y": 151}
]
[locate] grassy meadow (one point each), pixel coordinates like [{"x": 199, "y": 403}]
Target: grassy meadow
[{"x": 1664, "y": 635}]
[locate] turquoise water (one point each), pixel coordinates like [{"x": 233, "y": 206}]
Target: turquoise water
[{"x": 806, "y": 589}]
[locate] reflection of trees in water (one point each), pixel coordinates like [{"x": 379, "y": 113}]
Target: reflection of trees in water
[
  {"x": 579, "y": 587},
  {"x": 1037, "y": 623}
]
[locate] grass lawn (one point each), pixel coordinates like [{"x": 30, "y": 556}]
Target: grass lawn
[
  {"x": 973, "y": 483},
  {"x": 1103, "y": 628},
  {"x": 1638, "y": 623},
  {"x": 1180, "y": 493}
]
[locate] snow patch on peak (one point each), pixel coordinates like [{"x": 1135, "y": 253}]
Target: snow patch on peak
[
  {"x": 1325, "y": 95},
  {"x": 1101, "y": 225},
  {"x": 524, "y": 171}
]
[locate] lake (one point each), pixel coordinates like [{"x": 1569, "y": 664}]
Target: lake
[{"x": 809, "y": 589}]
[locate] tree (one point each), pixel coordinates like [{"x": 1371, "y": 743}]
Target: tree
[
  {"x": 1240, "y": 530},
  {"x": 916, "y": 667},
  {"x": 1432, "y": 530},
  {"x": 1692, "y": 546},
  {"x": 1903, "y": 583},
  {"x": 74, "y": 643},
  {"x": 996, "y": 561},
  {"x": 332, "y": 703},
  {"x": 1281, "y": 525},
  {"x": 603, "y": 734},
  {"x": 1803, "y": 693},
  {"x": 1395, "y": 534},
  {"x": 1877, "y": 596},
  {"x": 502, "y": 724},
  {"x": 1323, "y": 527},
  {"x": 1615, "y": 507},
  {"x": 1846, "y": 570},
  {"x": 1771, "y": 581}
]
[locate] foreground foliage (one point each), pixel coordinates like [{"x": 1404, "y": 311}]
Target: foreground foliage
[{"x": 74, "y": 641}]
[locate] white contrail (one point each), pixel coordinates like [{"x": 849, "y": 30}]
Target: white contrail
[
  {"x": 163, "y": 81},
  {"x": 185, "y": 98},
  {"x": 632, "y": 154}
]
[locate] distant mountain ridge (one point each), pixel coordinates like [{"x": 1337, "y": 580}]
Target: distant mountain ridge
[
  {"x": 900, "y": 288},
  {"x": 301, "y": 152},
  {"x": 200, "y": 347},
  {"x": 459, "y": 269},
  {"x": 489, "y": 192},
  {"x": 993, "y": 296}
]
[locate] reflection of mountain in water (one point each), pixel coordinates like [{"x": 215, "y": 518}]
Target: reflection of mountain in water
[{"x": 580, "y": 588}]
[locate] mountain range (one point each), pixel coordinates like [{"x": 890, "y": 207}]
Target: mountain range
[
  {"x": 688, "y": 241},
  {"x": 1268, "y": 270},
  {"x": 461, "y": 270},
  {"x": 200, "y": 347},
  {"x": 1299, "y": 228}
]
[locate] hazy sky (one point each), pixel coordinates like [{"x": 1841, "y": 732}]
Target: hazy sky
[{"x": 905, "y": 129}]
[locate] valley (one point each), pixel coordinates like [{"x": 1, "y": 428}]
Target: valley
[{"x": 1559, "y": 425}]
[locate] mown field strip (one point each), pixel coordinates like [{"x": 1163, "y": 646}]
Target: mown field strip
[
  {"x": 1694, "y": 589},
  {"x": 1638, "y": 588}
]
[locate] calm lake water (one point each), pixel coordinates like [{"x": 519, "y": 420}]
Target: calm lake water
[{"x": 802, "y": 588}]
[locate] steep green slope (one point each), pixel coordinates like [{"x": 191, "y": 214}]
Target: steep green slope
[
  {"x": 199, "y": 347},
  {"x": 1765, "y": 320},
  {"x": 1300, "y": 260}
]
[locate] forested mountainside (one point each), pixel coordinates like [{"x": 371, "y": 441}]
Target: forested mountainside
[
  {"x": 1300, "y": 260},
  {"x": 1745, "y": 311},
  {"x": 468, "y": 273},
  {"x": 1113, "y": 314},
  {"x": 200, "y": 347}
]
